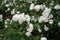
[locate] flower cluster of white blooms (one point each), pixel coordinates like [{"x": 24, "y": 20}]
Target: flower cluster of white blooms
[
  {"x": 21, "y": 18},
  {"x": 1, "y": 17},
  {"x": 29, "y": 29},
  {"x": 46, "y": 12},
  {"x": 45, "y": 15},
  {"x": 57, "y": 6},
  {"x": 43, "y": 38},
  {"x": 37, "y": 7}
]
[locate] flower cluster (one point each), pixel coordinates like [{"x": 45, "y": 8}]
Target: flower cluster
[
  {"x": 29, "y": 29},
  {"x": 45, "y": 15},
  {"x": 37, "y": 7},
  {"x": 21, "y": 18}
]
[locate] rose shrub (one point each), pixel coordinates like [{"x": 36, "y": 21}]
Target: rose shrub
[{"x": 29, "y": 20}]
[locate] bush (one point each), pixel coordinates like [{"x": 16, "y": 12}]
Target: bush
[{"x": 29, "y": 20}]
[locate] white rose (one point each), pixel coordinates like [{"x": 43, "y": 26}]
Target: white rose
[
  {"x": 37, "y": 7},
  {"x": 30, "y": 29},
  {"x": 15, "y": 17},
  {"x": 31, "y": 26},
  {"x": 21, "y": 18},
  {"x": 43, "y": 38},
  {"x": 28, "y": 34},
  {"x": 46, "y": 12},
  {"x": 41, "y": 19},
  {"x": 50, "y": 21},
  {"x": 32, "y": 6},
  {"x": 27, "y": 18},
  {"x": 46, "y": 28},
  {"x": 57, "y": 6}
]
